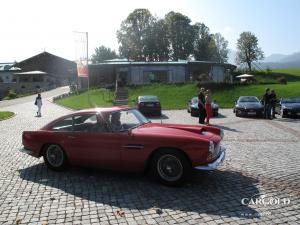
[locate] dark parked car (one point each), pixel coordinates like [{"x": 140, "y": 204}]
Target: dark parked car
[
  {"x": 248, "y": 106},
  {"x": 123, "y": 139},
  {"x": 288, "y": 107},
  {"x": 194, "y": 110},
  {"x": 148, "y": 105}
]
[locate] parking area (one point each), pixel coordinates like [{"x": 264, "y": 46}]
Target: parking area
[{"x": 258, "y": 183}]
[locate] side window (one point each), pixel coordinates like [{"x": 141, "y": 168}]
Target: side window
[
  {"x": 88, "y": 123},
  {"x": 63, "y": 125}
]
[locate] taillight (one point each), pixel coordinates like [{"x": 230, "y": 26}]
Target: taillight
[
  {"x": 140, "y": 105},
  {"x": 157, "y": 104}
]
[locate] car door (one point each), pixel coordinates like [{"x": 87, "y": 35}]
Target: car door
[{"x": 92, "y": 143}]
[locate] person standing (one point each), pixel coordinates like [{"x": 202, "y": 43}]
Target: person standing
[
  {"x": 208, "y": 107},
  {"x": 201, "y": 106},
  {"x": 38, "y": 103},
  {"x": 267, "y": 104},
  {"x": 273, "y": 101}
]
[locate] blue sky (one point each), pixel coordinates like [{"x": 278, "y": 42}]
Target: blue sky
[{"x": 32, "y": 26}]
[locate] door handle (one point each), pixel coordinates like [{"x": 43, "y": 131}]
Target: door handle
[{"x": 71, "y": 137}]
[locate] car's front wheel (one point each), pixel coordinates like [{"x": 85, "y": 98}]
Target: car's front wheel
[
  {"x": 55, "y": 157},
  {"x": 171, "y": 167}
]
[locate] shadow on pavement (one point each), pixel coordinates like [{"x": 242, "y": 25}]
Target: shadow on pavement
[
  {"x": 227, "y": 128},
  {"x": 213, "y": 192}
]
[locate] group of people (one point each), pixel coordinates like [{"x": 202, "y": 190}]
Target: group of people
[
  {"x": 269, "y": 100},
  {"x": 204, "y": 105}
]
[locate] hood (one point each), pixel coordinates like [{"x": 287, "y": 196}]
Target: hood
[
  {"x": 180, "y": 131},
  {"x": 250, "y": 105},
  {"x": 291, "y": 105}
]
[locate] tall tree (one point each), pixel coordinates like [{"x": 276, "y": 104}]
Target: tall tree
[
  {"x": 102, "y": 53},
  {"x": 204, "y": 44},
  {"x": 221, "y": 50},
  {"x": 180, "y": 34},
  {"x": 133, "y": 32},
  {"x": 248, "y": 50},
  {"x": 157, "y": 48}
]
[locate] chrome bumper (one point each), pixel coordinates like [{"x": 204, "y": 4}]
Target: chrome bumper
[
  {"x": 214, "y": 165},
  {"x": 25, "y": 150}
]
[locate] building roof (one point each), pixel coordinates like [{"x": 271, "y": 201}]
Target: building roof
[
  {"x": 179, "y": 62},
  {"x": 41, "y": 55},
  {"x": 36, "y": 72}
]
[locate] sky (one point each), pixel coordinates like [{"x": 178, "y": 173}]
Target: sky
[{"x": 33, "y": 26}]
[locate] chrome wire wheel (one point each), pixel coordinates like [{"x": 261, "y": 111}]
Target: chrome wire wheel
[
  {"x": 169, "y": 168},
  {"x": 55, "y": 156}
]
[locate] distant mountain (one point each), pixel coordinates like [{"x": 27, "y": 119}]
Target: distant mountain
[
  {"x": 278, "y": 61},
  {"x": 274, "y": 61},
  {"x": 274, "y": 58}
]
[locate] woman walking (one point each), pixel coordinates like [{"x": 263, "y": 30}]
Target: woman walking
[
  {"x": 38, "y": 103},
  {"x": 201, "y": 106},
  {"x": 208, "y": 107}
]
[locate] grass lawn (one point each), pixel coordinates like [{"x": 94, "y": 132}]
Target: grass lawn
[
  {"x": 290, "y": 74},
  {"x": 5, "y": 115},
  {"x": 90, "y": 99},
  {"x": 176, "y": 96},
  {"x": 290, "y": 71}
]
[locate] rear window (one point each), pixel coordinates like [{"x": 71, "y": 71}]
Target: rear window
[{"x": 148, "y": 98}]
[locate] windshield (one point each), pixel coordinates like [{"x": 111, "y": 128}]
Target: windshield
[
  {"x": 248, "y": 99},
  {"x": 291, "y": 100},
  {"x": 195, "y": 100},
  {"x": 125, "y": 119}
]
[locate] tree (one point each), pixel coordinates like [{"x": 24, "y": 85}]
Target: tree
[
  {"x": 157, "y": 47},
  {"x": 133, "y": 32},
  {"x": 102, "y": 53},
  {"x": 180, "y": 34},
  {"x": 221, "y": 50},
  {"x": 204, "y": 44},
  {"x": 248, "y": 50}
]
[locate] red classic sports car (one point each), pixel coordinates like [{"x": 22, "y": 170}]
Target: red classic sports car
[{"x": 123, "y": 139}]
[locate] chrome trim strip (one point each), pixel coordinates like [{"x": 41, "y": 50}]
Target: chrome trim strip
[
  {"x": 133, "y": 146},
  {"x": 214, "y": 165}
]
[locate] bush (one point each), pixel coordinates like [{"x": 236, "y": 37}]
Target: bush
[
  {"x": 11, "y": 94},
  {"x": 282, "y": 80}
]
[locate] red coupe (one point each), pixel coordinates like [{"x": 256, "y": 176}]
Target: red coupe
[{"x": 123, "y": 139}]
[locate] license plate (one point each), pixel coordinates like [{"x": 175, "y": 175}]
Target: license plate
[
  {"x": 251, "y": 113},
  {"x": 151, "y": 105}
]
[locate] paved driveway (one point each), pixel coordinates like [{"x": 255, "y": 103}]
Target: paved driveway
[{"x": 262, "y": 158}]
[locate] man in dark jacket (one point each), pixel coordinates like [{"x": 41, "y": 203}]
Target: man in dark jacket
[
  {"x": 267, "y": 104},
  {"x": 201, "y": 106},
  {"x": 273, "y": 101}
]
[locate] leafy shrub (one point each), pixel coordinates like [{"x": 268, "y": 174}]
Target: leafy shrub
[
  {"x": 282, "y": 80},
  {"x": 10, "y": 95}
]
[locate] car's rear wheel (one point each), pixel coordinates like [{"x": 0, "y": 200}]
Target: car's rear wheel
[
  {"x": 171, "y": 167},
  {"x": 55, "y": 157}
]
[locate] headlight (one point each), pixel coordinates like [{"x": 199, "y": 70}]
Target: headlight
[
  {"x": 211, "y": 147},
  {"x": 222, "y": 133}
]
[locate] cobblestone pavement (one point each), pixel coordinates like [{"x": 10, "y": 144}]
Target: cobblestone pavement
[{"x": 262, "y": 158}]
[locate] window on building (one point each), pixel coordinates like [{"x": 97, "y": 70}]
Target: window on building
[{"x": 156, "y": 76}]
